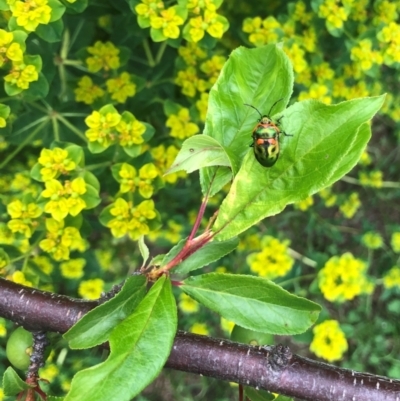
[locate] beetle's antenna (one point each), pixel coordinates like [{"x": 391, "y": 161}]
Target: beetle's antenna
[
  {"x": 274, "y": 106},
  {"x": 253, "y": 108}
]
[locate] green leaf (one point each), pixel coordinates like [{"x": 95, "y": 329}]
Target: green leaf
[
  {"x": 57, "y": 10},
  {"x": 211, "y": 252},
  {"x": 91, "y": 197},
  {"x": 139, "y": 345},
  {"x": 95, "y": 327},
  {"x": 327, "y": 142},
  {"x": 144, "y": 250},
  {"x": 254, "y": 303},
  {"x": 12, "y": 383},
  {"x": 213, "y": 179},
  {"x": 51, "y": 32},
  {"x": 197, "y": 152}
]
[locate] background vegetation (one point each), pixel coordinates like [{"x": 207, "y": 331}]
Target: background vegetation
[{"x": 76, "y": 71}]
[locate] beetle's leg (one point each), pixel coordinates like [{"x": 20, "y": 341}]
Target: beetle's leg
[{"x": 284, "y": 133}]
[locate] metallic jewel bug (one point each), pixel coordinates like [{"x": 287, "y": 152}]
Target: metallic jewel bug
[{"x": 266, "y": 138}]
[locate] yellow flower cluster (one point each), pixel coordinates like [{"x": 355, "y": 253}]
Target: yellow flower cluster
[
  {"x": 334, "y": 14},
  {"x": 389, "y": 36},
  {"x": 181, "y": 127},
  {"x": 365, "y": 56},
  {"x": 395, "y": 242},
  {"x": 328, "y": 197},
  {"x": 129, "y": 219},
  {"x": 343, "y": 278},
  {"x": 273, "y": 261},
  {"x": 372, "y": 240},
  {"x": 64, "y": 199},
  {"x": 73, "y": 268},
  {"x": 392, "y": 278},
  {"x": 107, "y": 127},
  {"x": 187, "y": 304},
  {"x": 61, "y": 240},
  {"x": 350, "y": 206},
  {"x": 304, "y": 204},
  {"x": 190, "y": 82},
  {"x": 87, "y": 92},
  {"x": 121, "y": 87},
  {"x": 30, "y": 13},
  {"x": 21, "y": 75},
  {"x": 131, "y": 180},
  {"x": 9, "y": 50},
  {"x": 23, "y": 217},
  {"x": 373, "y": 179},
  {"x": 103, "y": 56},
  {"x": 262, "y": 31},
  {"x": 55, "y": 162},
  {"x": 91, "y": 289},
  {"x": 329, "y": 341}
]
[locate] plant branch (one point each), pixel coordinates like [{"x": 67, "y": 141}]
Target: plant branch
[{"x": 272, "y": 368}]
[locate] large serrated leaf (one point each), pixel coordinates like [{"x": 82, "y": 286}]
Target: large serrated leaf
[
  {"x": 139, "y": 347},
  {"x": 95, "y": 327},
  {"x": 254, "y": 303},
  {"x": 327, "y": 142}
]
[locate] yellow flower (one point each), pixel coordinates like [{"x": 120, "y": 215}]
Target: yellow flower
[
  {"x": 61, "y": 240},
  {"x": 55, "y": 162},
  {"x": 373, "y": 179},
  {"x": 121, "y": 87},
  {"x": 180, "y": 125},
  {"x": 199, "y": 328},
  {"x": 73, "y": 268},
  {"x": 130, "y": 180},
  {"x": 19, "y": 278},
  {"x": 149, "y": 8},
  {"x": 372, "y": 240},
  {"x": 395, "y": 242},
  {"x": 304, "y": 204},
  {"x": 87, "y": 92},
  {"x": 392, "y": 278},
  {"x": 91, "y": 289},
  {"x": 30, "y": 13},
  {"x": 49, "y": 372},
  {"x": 168, "y": 22},
  {"x": 190, "y": 82},
  {"x": 103, "y": 56},
  {"x": 9, "y": 50},
  {"x": 350, "y": 206},
  {"x": 187, "y": 304},
  {"x": 334, "y": 14},
  {"x": 343, "y": 278},
  {"x": 21, "y": 75},
  {"x": 43, "y": 263},
  {"x": 130, "y": 133},
  {"x": 329, "y": 341},
  {"x": 226, "y": 325},
  {"x": 3, "y": 333},
  {"x": 273, "y": 261},
  {"x": 65, "y": 199},
  {"x": 22, "y": 217},
  {"x": 102, "y": 127}
]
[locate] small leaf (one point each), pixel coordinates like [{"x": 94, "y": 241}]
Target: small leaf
[
  {"x": 144, "y": 250},
  {"x": 139, "y": 348},
  {"x": 254, "y": 303},
  {"x": 95, "y": 327},
  {"x": 197, "y": 152},
  {"x": 12, "y": 383},
  {"x": 211, "y": 252}
]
